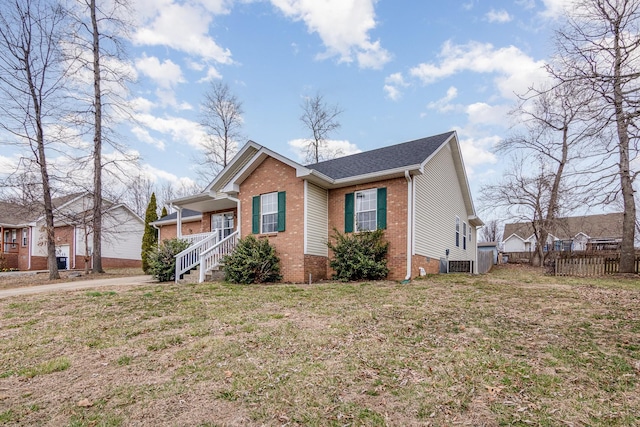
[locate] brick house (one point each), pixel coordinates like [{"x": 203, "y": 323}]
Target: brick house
[
  {"x": 23, "y": 240},
  {"x": 416, "y": 191}
]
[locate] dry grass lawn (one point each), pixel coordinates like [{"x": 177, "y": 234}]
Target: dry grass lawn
[{"x": 513, "y": 347}]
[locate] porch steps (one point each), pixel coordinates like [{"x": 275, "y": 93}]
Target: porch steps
[{"x": 192, "y": 276}]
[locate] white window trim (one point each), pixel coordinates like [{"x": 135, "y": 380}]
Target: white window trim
[
  {"x": 464, "y": 235},
  {"x": 457, "y": 242},
  {"x": 374, "y": 191},
  {"x": 263, "y": 212}
]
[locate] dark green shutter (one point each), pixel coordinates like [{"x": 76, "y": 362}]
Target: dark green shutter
[
  {"x": 255, "y": 215},
  {"x": 282, "y": 209},
  {"x": 348, "y": 212},
  {"x": 382, "y": 208}
]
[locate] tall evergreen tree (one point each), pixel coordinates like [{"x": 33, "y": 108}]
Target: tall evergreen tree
[
  {"x": 164, "y": 212},
  {"x": 150, "y": 236}
]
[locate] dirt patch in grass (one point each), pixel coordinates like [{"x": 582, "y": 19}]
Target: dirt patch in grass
[
  {"x": 22, "y": 279},
  {"x": 507, "y": 348}
]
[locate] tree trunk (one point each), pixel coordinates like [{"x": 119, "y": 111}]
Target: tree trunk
[
  {"x": 627, "y": 252},
  {"x": 97, "y": 147},
  {"x": 41, "y": 158}
]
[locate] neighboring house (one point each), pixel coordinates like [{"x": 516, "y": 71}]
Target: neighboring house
[
  {"x": 580, "y": 233},
  {"x": 417, "y": 191},
  {"x": 23, "y": 238}
]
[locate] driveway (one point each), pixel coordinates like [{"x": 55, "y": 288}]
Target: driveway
[{"x": 80, "y": 284}]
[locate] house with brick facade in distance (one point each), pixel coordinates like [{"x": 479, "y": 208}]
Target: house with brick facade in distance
[
  {"x": 23, "y": 240},
  {"x": 416, "y": 191}
]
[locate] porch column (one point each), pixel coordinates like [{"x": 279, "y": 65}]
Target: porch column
[
  {"x": 1, "y": 239},
  {"x": 179, "y": 222}
]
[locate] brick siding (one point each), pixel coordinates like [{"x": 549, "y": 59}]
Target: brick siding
[
  {"x": 396, "y": 232},
  {"x": 270, "y": 176},
  {"x": 430, "y": 265},
  {"x": 316, "y": 266}
]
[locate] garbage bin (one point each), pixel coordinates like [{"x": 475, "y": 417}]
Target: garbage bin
[{"x": 62, "y": 262}]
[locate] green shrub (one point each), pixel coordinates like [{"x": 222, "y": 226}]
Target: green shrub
[
  {"x": 252, "y": 261},
  {"x": 359, "y": 256},
  {"x": 162, "y": 261}
]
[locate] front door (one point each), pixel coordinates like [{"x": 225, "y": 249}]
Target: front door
[{"x": 223, "y": 223}]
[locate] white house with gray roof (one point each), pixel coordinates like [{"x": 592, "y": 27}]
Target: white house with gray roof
[{"x": 416, "y": 191}]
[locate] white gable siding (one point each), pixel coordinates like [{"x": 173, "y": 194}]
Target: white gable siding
[
  {"x": 38, "y": 241},
  {"x": 513, "y": 244},
  {"x": 438, "y": 200},
  {"x": 121, "y": 235},
  {"x": 316, "y": 220},
  {"x": 80, "y": 236}
]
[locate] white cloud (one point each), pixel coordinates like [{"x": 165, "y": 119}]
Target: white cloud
[
  {"x": 515, "y": 71},
  {"x": 526, "y": 4},
  {"x": 481, "y": 113},
  {"x": 184, "y": 27},
  {"x": 144, "y": 136},
  {"x": 343, "y": 26},
  {"x": 392, "y": 92},
  {"x": 443, "y": 105},
  {"x": 500, "y": 16},
  {"x": 166, "y": 74},
  {"x": 555, "y": 8},
  {"x": 180, "y": 130},
  {"x": 141, "y": 105},
  {"x": 212, "y": 74},
  {"x": 334, "y": 148},
  {"x": 393, "y": 85},
  {"x": 477, "y": 151}
]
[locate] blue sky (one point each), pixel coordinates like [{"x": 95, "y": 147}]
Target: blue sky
[{"x": 400, "y": 70}]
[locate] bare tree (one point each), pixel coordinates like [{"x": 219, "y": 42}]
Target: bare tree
[
  {"x": 554, "y": 129},
  {"x": 95, "y": 48},
  {"x": 137, "y": 194},
  {"x": 168, "y": 192},
  {"x": 491, "y": 231},
  {"x": 599, "y": 48},
  {"x": 30, "y": 81},
  {"x": 321, "y": 119},
  {"x": 221, "y": 119}
]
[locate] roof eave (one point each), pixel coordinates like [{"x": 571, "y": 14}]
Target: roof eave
[
  {"x": 364, "y": 178},
  {"x": 174, "y": 221}
]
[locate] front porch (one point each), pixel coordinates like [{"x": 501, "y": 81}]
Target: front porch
[
  {"x": 205, "y": 252},
  {"x": 219, "y": 233}
]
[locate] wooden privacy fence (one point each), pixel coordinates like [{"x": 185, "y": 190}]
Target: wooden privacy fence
[
  {"x": 485, "y": 261},
  {"x": 590, "y": 266}
]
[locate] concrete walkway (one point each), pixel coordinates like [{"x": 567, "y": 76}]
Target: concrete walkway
[{"x": 80, "y": 284}]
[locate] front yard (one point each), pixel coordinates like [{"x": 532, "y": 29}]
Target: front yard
[{"x": 509, "y": 348}]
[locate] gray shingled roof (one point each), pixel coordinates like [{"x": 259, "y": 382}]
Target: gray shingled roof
[
  {"x": 12, "y": 213},
  {"x": 386, "y": 158},
  {"x": 186, "y": 213}
]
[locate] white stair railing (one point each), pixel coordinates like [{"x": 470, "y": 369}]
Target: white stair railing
[
  {"x": 210, "y": 258},
  {"x": 190, "y": 257},
  {"x": 195, "y": 238}
]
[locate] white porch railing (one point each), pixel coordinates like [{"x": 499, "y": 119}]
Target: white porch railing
[
  {"x": 195, "y": 238},
  {"x": 211, "y": 258},
  {"x": 190, "y": 257}
]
